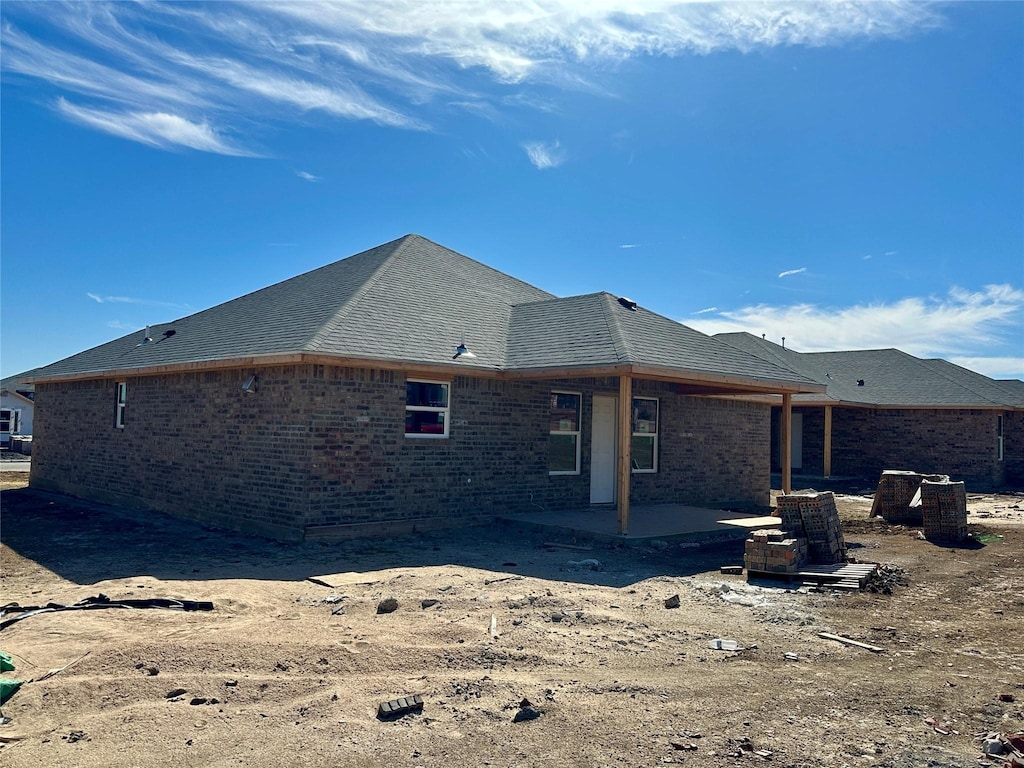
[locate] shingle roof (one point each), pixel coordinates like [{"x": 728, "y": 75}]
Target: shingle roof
[
  {"x": 412, "y": 301},
  {"x": 589, "y": 329},
  {"x": 890, "y": 377},
  {"x": 1013, "y": 386},
  {"x": 409, "y": 300},
  {"x": 18, "y": 383}
]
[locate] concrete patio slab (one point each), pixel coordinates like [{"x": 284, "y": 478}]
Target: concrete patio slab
[{"x": 646, "y": 522}]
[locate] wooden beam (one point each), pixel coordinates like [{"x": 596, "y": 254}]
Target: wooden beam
[
  {"x": 828, "y": 441},
  {"x": 625, "y": 441},
  {"x": 787, "y": 443}
]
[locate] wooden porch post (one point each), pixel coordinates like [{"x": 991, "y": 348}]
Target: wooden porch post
[
  {"x": 625, "y": 441},
  {"x": 787, "y": 443},
  {"x": 828, "y": 441}
]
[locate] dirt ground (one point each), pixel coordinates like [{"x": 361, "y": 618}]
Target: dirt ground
[{"x": 287, "y": 672}]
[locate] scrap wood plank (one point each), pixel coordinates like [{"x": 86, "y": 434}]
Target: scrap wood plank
[
  {"x": 337, "y": 580},
  {"x": 850, "y": 641},
  {"x": 559, "y": 545}
]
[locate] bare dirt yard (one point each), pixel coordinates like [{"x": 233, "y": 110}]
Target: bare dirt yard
[{"x": 284, "y": 671}]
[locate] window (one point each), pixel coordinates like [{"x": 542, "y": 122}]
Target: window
[
  {"x": 564, "y": 440},
  {"x": 426, "y": 408},
  {"x": 9, "y": 421},
  {"x": 999, "y": 437},
  {"x": 122, "y": 399},
  {"x": 644, "y": 447}
]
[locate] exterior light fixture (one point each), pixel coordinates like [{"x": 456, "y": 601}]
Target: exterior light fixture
[{"x": 250, "y": 384}]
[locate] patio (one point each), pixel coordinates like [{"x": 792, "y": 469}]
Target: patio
[{"x": 647, "y": 522}]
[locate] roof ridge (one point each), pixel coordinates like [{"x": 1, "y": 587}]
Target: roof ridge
[
  {"x": 619, "y": 339},
  {"x": 328, "y": 326},
  {"x": 770, "y": 355},
  {"x": 488, "y": 267}
]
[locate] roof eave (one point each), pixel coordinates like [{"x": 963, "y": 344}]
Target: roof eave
[{"x": 708, "y": 382}]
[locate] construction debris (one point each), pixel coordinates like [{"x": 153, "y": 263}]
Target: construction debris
[
  {"x": 814, "y": 516},
  {"x": 885, "y": 578},
  {"x": 526, "y": 712},
  {"x": 719, "y": 644},
  {"x": 390, "y": 710},
  {"x": 1006, "y": 747},
  {"x": 898, "y": 497},
  {"x": 811, "y": 533},
  {"x": 99, "y": 601},
  {"x": 769, "y": 551},
  {"x": 850, "y": 641},
  {"x": 387, "y": 605},
  {"x": 944, "y": 510}
]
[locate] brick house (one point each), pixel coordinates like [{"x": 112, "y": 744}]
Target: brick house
[
  {"x": 406, "y": 386},
  {"x": 885, "y": 409}
]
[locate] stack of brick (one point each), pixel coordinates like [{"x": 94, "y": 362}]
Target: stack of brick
[
  {"x": 944, "y": 510},
  {"x": 774, "y": 552},
  {"x": 814, "y": 516},
  {"x": 897, "y": 499}
]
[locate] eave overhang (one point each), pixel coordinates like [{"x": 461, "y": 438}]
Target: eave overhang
[{"x": 688, "y": 382}]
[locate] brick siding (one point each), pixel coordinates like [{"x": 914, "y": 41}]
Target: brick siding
[
  {"x": 1013, "y": 448},
  {"x": 959, "y": 443},
  {"x": 325, "y": 445}
]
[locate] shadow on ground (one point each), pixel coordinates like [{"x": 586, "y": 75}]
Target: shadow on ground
[{"x": 86, "y": 542}]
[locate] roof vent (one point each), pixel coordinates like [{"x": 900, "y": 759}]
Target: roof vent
[
  {"x": 627, "y": 303},
  {"x": 860, "y": 382},
  {"x": 169, "y": 333}
]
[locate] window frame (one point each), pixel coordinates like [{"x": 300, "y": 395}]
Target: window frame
[
  {"x": 13, "y": 420},
  {"x": 577, "y": 433},
  {"x": 121, "y": 403},
  {"x": 446, "y": 409},
  {"x": 634, "y": 434}
]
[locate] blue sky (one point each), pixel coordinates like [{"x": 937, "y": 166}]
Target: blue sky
[{"x": 847, "y": 175}]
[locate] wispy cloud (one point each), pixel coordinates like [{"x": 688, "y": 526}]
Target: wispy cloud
[
  {"x": 158, "y": 129},
  {"x": 996, "y": 367},
  {"x": 187, "y": 75},
  {"x": 121, "y": 326},
  {"x": 891, "y": 253},
  {"x": 706, "y": 311},
  {"x": 307, "y": 176},
  {"x": 954, "y": 326},
  {"x": 789, "y": 272},
  {"x": 545, "y": 155},
  {"x": 130, "y": 300},
  {"x": 630, "y": 245}
]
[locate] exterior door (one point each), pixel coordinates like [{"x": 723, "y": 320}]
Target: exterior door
[{"x": 603, "y": 450}]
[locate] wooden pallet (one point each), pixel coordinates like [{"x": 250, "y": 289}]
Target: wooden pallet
[{"x": 839, "y": 576}]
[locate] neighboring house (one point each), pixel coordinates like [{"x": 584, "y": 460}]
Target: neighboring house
[
  {"x": 402, "y": 387},
  {"x": 885, "y": 409},
  {"x": 16, "y": 406},
  {"x": 1013, "y": 435}
]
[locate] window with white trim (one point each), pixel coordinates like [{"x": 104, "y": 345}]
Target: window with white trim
[
  {"x": 10, "y": 419},
  {"x": 643, "y": 451},
  {"x": 564, "y": 434},
  {"x": 122, "y": 400},
  {"x": 426, "y": 408},
  {"x": 999, "y": 437}
]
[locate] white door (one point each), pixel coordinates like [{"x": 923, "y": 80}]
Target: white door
[
  {"x": 796, "y": 444},
  {"x": 602, "y": 450}
]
